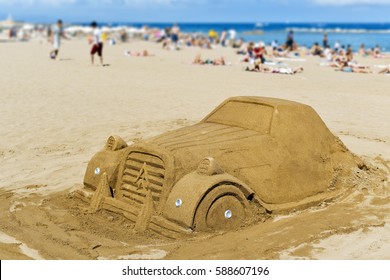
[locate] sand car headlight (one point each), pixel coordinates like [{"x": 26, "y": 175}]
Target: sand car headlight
[
  {"x": 115, "y": 143},
  {"x": 208, "y": 166},
  {"x": 178, "y": 202}
]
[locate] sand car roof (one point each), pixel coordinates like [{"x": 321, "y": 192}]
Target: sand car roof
[
  {"x": 259, "y": 100},
  {"x": 273, "y": 102},
  {"x": 259, "y": 113}
]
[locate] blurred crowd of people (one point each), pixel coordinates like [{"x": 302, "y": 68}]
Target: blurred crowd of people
[{"x": 339, "y": 56}]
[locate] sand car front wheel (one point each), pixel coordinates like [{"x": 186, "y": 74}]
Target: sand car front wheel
[{"x": 224, "y": 208}]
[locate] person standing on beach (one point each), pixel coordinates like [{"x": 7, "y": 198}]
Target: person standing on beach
[
  {"x": 325, "y": 41},
  {"x": 97, "y": 46},
  {"x": 232, "y": 37},
  {"x": 290, "y": 41},
  {"x": 175, "y": 31},
  {"x": 56, "y": 33},
  {"x": 223, "y": 38}
]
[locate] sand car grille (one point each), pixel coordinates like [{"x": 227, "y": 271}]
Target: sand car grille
[{"x": 142, "y": 171}]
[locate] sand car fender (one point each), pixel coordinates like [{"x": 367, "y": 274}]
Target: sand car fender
[
  {"x": 105, "y": 161},
  {"x": 189, "y": 191}
]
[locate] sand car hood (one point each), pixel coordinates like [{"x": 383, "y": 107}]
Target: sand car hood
[{"x": 162, "y": 161}]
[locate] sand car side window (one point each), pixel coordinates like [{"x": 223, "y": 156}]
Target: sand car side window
[{"x": 247, "y": 115}]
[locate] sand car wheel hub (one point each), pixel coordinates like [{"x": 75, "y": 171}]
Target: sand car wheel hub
[
  {"x": 226, "y": 212},
  {"x": 224, "y": 208}
]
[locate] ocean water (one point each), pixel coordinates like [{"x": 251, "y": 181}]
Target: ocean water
[{"x": 354, "y": 34}]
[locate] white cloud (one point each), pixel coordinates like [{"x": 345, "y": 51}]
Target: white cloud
[{"x": 351, "y": 2}]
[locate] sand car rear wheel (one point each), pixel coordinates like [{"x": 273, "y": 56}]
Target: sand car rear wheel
[{"x": 223, "y": 208}]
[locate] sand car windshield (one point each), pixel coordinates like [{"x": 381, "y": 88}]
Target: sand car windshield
[{"x": 247, "y": 115}]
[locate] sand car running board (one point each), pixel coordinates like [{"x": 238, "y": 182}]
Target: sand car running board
[{"x": 305, "y": 203}]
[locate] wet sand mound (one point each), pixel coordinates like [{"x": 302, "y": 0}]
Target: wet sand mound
[{"x": 60, "y": 226}]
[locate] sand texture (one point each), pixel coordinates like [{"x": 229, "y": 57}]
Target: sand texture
[{"x": 55, "y": 115}]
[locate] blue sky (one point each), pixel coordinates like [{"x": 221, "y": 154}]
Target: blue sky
[{"x": 198, "y": 10}]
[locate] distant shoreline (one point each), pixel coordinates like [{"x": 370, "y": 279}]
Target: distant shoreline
[{"x": 371, "y": 34}]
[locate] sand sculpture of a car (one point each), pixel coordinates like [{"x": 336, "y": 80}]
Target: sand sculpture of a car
[{"x": 249, "y": 155}]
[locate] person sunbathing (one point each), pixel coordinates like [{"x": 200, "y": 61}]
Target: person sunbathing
[
  {"x": 259, "y": 67},
  {"x": 279, "y": 52},
  {"x": 198, "y": 60},
  {"x": 342, "y": 61},
  {"x": 385, "y": 71},
  {"x": 376, "y": 53},
  {"x": 353, "y": 68},
  {"x": 144, "y": 53}
]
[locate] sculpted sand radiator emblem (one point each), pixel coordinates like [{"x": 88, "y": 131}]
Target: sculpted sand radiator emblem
[
  {"x": 142, "y": 180},
  {"x": 145, "y": 215}
]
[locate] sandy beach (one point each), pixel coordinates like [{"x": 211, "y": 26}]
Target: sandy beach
[{"x": 56, "y": 115}]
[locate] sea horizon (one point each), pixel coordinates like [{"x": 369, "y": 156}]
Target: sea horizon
[{"x": 354, "y": 33}]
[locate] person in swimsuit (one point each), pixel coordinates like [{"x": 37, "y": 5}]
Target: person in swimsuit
[
  {"x": 198, "y": 60},
  {"x": 290, "y": 41},
  {"x": 385, "y": 71},
  {"x": 260, "y": 67},
  {"x": 350, "y": 68},
  {"x": 144, "y": 53},
  {"x": 175, "y": 31},
  {"x": 325, "y": 41}
]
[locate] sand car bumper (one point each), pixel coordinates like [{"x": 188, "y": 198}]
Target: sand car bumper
[{"x": 157, "y": 224}]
